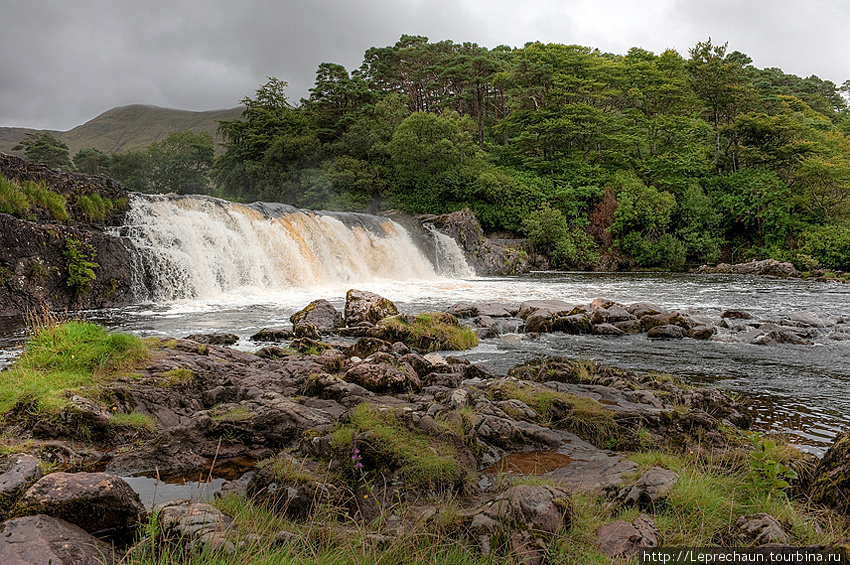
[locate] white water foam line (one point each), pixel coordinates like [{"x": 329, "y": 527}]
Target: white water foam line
[{"x": 190, "y": 247}]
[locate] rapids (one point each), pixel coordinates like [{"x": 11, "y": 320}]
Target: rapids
[{"x": 206, "y": 265}]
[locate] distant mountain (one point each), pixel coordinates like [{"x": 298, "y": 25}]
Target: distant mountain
[{"x": 126, "y": 128}]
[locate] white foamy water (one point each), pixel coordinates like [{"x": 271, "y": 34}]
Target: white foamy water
[{"x": 200, "y": 248}]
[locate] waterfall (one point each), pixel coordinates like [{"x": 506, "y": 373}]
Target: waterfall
[
  {"x": 448, "y": 257},
  {"x": 195, "y": 247}
]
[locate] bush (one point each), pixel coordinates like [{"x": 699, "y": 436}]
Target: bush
[
  {"x": 828, "y": 245},
  {"x": 565, "y": 246},
  {"x": 79, "y": 257}
]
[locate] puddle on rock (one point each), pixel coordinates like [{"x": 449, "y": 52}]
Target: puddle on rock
[
  {"x": 154, "y": 491},
  {"x": 529, "y": 463}
]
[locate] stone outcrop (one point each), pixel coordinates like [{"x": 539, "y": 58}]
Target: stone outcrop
[
  {"x": 34, "y": 268},
  {"x": 101, "y": 504},
  {"x": 763, "y": 268},
  {"x": 831, "y": 479},
  {"x": 486, "y": 257},
  {"x": 40, "y": 539}
]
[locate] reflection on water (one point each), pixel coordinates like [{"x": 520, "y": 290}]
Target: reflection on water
[{"x": 800, "y": 390}]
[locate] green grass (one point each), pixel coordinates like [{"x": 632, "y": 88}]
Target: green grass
[
  {"x": 42, "y": 197},
  {"x": 132, "y": 421},
  {"x": 580, "y": 415},
  {"x": 69, "y": 355},
  {"x": 419, "y": 459},
  {"x": 429, "y": 331},
  {"x": 179, "y": 376},
  {"x": 13, "y": 200},
  {"x": 97, "y": 208},
  {"x": 18, "y": 199}
]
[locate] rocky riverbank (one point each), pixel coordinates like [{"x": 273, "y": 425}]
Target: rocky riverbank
[
  {"x": 55, "y": 253},
  {"x": 351, "y": 420},
  {"x": 774, "y": 268}
]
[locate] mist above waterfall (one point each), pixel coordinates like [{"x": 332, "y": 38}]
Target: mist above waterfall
[{"x": 195, "y": 247}]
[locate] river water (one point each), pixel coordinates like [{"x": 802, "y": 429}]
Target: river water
[
  {"x": 801, "y": 390},
  {"x": 203, "y": 265}
]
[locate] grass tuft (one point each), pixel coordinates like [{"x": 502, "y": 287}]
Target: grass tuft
[{"x": 64, "y": 356}]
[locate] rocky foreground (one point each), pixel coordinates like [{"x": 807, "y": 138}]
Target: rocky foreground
[{"x": 358, "y": 413}]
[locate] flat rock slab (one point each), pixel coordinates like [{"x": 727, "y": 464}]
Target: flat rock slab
[
  {"x": 100, "y": 503},
  {"x": 39, "y": 540},
  {"x": 603, "y": 473}
]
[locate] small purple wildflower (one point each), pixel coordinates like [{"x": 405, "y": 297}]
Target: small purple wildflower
[{"x": 356, "y": 457}]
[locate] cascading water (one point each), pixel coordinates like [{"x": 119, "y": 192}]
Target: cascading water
[
  {"x": 194, "y": 247},
  {"x": 448, "y": 258}
]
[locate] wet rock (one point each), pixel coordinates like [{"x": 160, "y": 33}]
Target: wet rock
[
  {"x": 367, "y": 307},
  {"x": 760, "y": 529},
  {"x": 24, "y": 470},
  {"x": 666, "y": 332},
  {"x": 488, "y": 309},
  {"x": 629, "y": 326},
  {"x": 736, "y": 315},
  {"x": 196, "y": 525},
  {"x": 214, "y": 338},
  {"x": 515, "y": 435},
  {"x": 702, "y": 332},
  {"x": 545, "y": 308},
  {"x": 272, "y": 334},
  {"x": 575, "y": 324},
  {"x": 831, "y": 479},
  {"x": 366, "y": 346},
  {"x": 607, "y": 329},
  {"x": 654, "y": 485},
  {"x": 330, "y": 387},
  {"x": 100, "y": 503},
  {"x": 383, "y": 377},
  {"x": 486, "y": 327},
  {"x": 304, "y": 331},
  {"x": 321, "y": 314},
  {"x": 486, "y": 257},
  {"x": 802, "y": 320},
  {"x": 39, "y": 540},
  {"x": 624, "y": 539},
  {"x": 641, "y": 309}
]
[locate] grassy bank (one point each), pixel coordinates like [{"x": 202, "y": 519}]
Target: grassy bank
[{"x": 70, "y": 356}]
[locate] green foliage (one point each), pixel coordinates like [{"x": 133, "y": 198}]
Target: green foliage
[
  {"x": 46, "y": 149},
  {"x": 18, "y": 199},
  {"x": 80, "y": 262},
  {"x": 67, "y": 356},
  {"x": 565, "y": 245},
  {"x": 13, "y": 200},
  {"x": 707, "y": 155},
  {"x": 428, "y": 331},
  {"x": 95, "y": 207},
  {"x": 132, "y": 421},
  {"x": 92, "y": 161},
  {"x": 827, "y": 245},
  {"x": 766, "y": 473}
]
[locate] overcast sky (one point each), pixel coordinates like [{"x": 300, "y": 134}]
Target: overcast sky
[{"x": 63, "y": 62}]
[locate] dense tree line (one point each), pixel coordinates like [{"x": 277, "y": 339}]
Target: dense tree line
[{"x": 649, "y": 159}]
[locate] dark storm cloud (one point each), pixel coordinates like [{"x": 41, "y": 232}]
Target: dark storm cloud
[{"x": 63, "y": 62}]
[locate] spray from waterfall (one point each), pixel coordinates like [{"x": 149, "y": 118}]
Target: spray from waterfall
[{"x": 197, "y": 247}]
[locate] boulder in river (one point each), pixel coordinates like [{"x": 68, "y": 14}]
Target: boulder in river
[
  {"x": 321, "y": 314},
  {"x": 367, "y": 307}
]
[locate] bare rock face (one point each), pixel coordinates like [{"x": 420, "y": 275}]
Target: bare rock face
[
  {"x": 367, "y": 307},
  {"x": 100, "y": 503},
  {"x": 761, "y": 529},
  {"x": 321, "y": 314},
  {"x": 653, "y": 486},
  {"x": 197, "y": 525},
  {"x": 624, "y": 539},
  {"x": 38, "y": 540},
  {"x": 831, "y": 481},
  {"x": 33, "y": 265},
  {"x": 483, "y": 255},
  {"x": 23, "y": 472}
]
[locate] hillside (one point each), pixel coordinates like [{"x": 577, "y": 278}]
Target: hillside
[{"x": 127, "y": 128}]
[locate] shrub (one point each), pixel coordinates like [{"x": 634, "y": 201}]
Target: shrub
[
  {"x": 828, "y": 245},
  {"x": 79, "y": 257}
]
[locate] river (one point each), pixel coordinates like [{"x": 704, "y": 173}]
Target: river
[{"x": 203, "y": 265}]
